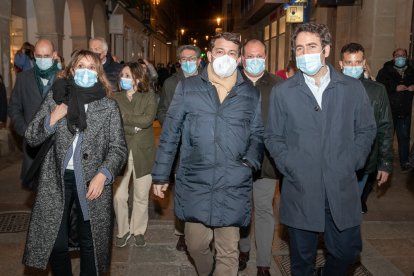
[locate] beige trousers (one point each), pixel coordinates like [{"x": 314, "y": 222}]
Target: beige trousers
[
  {"x": 198, "y": 238},
  {"x": 139, "y": 217}
]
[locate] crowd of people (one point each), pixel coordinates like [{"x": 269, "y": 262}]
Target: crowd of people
[{"x": 230, "y": 130}]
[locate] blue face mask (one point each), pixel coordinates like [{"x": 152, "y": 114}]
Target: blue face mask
[
  {"x": 353, "y": 71},
  {"x": 309, "y": 64},
  {"x": 255, "y": 66},
  {"x": 44, "y": 63},
  {"x": 126, "y": 84},
  {"x": 189, "y": 67},
  {"x": 85, "y": 77},
  {"x": 59, "y": 66},
  {"x": 400, "y": 61}
]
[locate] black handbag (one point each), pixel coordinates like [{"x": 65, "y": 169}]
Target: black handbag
[{"x": 31, "y": 178}]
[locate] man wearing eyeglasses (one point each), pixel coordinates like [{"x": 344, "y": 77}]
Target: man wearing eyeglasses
[
  {"x": 216, "y": 115},
  {"x": 189, "y": 58},
  {"x": 30, "y": 89}
]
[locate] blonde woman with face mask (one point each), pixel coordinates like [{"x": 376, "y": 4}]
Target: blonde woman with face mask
[{"x": 138, "y": 104}]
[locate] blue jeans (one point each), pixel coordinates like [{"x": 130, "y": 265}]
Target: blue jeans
[{"x": 402, "y": 126}]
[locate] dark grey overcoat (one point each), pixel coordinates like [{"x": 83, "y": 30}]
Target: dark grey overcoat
[
  {"x": 318, "y": 149},
  {"x": 103, "y": 146}
]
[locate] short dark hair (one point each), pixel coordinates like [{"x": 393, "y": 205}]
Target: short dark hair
[
  {"x": 405, "y": 50},
  {"x": 253, "y": 41},
  {"x": 188, "y": 47},
  {"x": 352, "y": 48},
  {"x": 320, "y": 30},
  {"x": 233, "y": 37}
]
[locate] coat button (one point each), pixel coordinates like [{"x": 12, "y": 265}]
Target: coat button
[{"x": 85, "y": 156}]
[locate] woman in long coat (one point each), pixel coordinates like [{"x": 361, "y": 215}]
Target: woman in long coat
[
  {"x": 138, "y": 105},
  {"x": 78, "y": 170}
]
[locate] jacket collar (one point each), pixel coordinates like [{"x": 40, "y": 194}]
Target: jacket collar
[
  {"x": 239, "y": 80},
  {"x": 336, "y": 77}
]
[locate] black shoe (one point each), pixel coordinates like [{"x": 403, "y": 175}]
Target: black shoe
[
  {"x": 243, "y": 259},
  {"x": 364, "y": 207},
  {"x": 181, "y": 246},
  {"x": 263, "y": 271}
]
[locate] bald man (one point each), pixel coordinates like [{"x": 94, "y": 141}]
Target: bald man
[
  {"x": 30, "y": 89},
  {"x": 99, "y": 46}
]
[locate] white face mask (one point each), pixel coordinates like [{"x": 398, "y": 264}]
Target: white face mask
[{"x": 224, "y": 66}]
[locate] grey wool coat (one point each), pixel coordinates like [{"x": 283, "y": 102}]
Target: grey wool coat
[{"x": 103, "y": 146}]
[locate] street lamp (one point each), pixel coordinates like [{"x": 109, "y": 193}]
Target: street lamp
[
  {"x": 182, "y": 32},
  {"x": 207, "y": 37},
  {"x": 218, "y": 21}
]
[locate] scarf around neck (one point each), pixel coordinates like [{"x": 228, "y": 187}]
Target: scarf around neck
[
  {"x": 44, "y": 74},
  {"x": 223, "y": 85},
  {"x": 75, "y": 97}
]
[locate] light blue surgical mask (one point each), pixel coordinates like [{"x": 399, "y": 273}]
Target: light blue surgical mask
[
  {"x": 353, "y": 71},
  {"x": 59, "y": 66},
  {"x": 126, "y": 84},
  {"x": 189, "y": 67},
  {"x": 255, "y": 66},
  {"x": 44, "y": 63},
  {"x": 309, "y": 64},
  {"x": 400, "y": 61},
  {"x": 85, "y": 77}
]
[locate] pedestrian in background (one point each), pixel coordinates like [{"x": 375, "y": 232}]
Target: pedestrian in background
[
  {"x": 254, "y": 64},
  {"x": 77, "y": 172},
  {"x": 112, "y": 68},
  {"x": 189, "y": 58},
  {"x": 138, "y": 104},
  {"x": 398, "y": 77},
  {"x": 24, "y": 58},
  {"x": 380, "y": 159},
  {"x": 29, "y": 91}
]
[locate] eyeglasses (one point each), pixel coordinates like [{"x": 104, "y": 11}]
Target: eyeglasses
[
  {"x": 219, "y": 52},
  {"x": 185, "y": 59}
]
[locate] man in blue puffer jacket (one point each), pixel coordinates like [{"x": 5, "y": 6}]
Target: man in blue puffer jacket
[{"x": 217, "y": 116}]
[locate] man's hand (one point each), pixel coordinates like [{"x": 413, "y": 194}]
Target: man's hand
[
  {"x": 159, "y": 189},
  {"x": 58, "y": 113},
  {"x": 96, "y": 186},
  {"x": 401, "y": 88},
  {"x": 382, "y": 177},
  {"x": 411, "y": 88}
]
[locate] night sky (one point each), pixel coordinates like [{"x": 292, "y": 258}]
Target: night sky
[{"x": 198, "y": 18}]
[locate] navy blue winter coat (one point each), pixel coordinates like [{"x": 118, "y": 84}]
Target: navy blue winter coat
[{"x": 213, "y": 186}]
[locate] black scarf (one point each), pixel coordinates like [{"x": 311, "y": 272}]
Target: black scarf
[
  {"x": 44, "y": 74},
  {"x": 75, "y": 97}
]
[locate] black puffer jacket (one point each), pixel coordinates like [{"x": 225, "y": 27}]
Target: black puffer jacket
[
  {"x": 401, "y": 102},
  {"x": 381, "y": 155},
  {"x": 213, "y": 186}
]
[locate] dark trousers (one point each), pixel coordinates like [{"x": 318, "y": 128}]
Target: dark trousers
[
  {"x": 343, "y": 248},
  {"x": 60, "y": 259},
  {"x": 402, "y": 126}
]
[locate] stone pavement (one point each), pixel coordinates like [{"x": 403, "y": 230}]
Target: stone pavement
[{"x": 387, "y": 230}]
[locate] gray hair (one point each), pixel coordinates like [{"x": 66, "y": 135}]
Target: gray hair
[
  {"x": 102, "y": 40},
  {"x": 188, "y": 47}
]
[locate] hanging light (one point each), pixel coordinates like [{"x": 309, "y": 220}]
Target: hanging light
[{"x": 156, "y": 2}]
